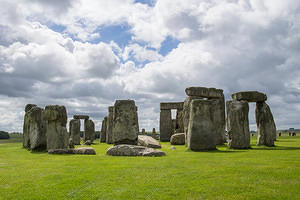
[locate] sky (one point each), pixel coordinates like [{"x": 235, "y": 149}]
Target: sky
[{"x": 85, "y": 54}]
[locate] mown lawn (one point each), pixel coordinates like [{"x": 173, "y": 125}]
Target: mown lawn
[{"x": 258, "y": 173}]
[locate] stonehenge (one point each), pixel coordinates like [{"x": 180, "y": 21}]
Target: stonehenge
[
  {"x": 166, "y": 126},
  {"x": 89, "y": 130},
  {"x": 178, "y": 139},
  {"x": 74, "y": 130},
  {"x": 103, "y": 130},
  {"x": 109, "y": 125}
]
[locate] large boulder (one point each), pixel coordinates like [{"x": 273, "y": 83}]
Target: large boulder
[
  {"x": 147, "y": 141},
  {"x": 133, "y": 150},
  {"x": 56, "y": 131},
  {"x": 201, "y": 130},
  {"x": 250, "y": 96},
  {"x": 103, "y": 130},
  {"x": 165, "y": 125},
  {"x": 125, "y": 122},
  {"x": 74, "y": 130},
  {"x": 266, "y": 128},
  {"x": 238, "y": 124},
  {"x": 178, "y": 139},
  {"x": 89, "y": 130},
  {"x": 109, "y": 125}
]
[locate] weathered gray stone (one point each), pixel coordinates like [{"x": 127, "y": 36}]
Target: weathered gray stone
[
  {"x": 133, "y": 150},
  {"x": 125, "y": 122},
  {"x": 173, "y": 126},
  {"x": 26, "y": 126},
  {"x": 204, "y": 92},
  {"x": 201, "y": 130},
  {"x": 178, "y": 139},
  {"x": 250, "y": 96},
  {"x": 88, "y": 142},
  {"x": 153, "y": 133},
  {"x": 186, "y": 111},
  {"x": 238, "y": 124},
  {"x": 219, "y": 120},
  {"x": 56, "y": 131},
  {"x": 35, "y": 129},
  {"x": 179, "y": 121},
  {"x": 103, "y": 130},
  {"x": 71, "y": 144},
  {"x": 109, "y": 125},
  {"x": 89, "y": 130},
  {"x": 29, "y": 106},
  {"x": 171, "y": 105},
  {"x": 85, "y": 117},
  {"x": 147, "y": 141},
  {"x": 266, "y": 128},
  {"x": 74, "y": 130},
  {"x": 165, "y": 125},
  {"x": 81, "y": 150},
  {"x": 143, "y": 131}
]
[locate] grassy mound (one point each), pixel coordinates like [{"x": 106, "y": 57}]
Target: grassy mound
[{"x": 257, "y": 173}]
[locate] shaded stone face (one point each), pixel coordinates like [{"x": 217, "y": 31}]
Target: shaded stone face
[
  {"x": 34, "y": 129},
  {"x": 81, "y": 117},
  {"x": 74, "y": 130},
  {"x": 179, "y": 121},
  {"x": 147, "y": 141},
  {"x": 133, "y": 150},
  {"x": 143, "y": 131},
  {"x": 125, "y": 122},
  {"x": 204, "y": 92},
  {"x": 57, "y": 135},
  {"x": 89, "y": 130},
  {"x": 29, "y": 106},
  {"x": 109, "y": 125},
  {"x": 154, "y": 133},
  {"x": 201, "y": 129},
  {"x": 171, "y": 105},
  {"x": 266, "y": 128},
  {"x": 103, "y": 130},
  {"x": 186, "y": 111},
  {"x": 219, "y": 120},
  {"x": 178, "y": 139},
  {"x": 165, "y": 125},
  {"x": 238, "y": 124},
  {"x": 250, "y": 96}
]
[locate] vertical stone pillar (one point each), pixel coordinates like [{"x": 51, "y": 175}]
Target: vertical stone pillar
[
  {"x": 266, "y": 128},
  {"x": 89, "y": 130},
  {"x": 57, "y": 135},
  {"x": 103, "y": 130},
  {"x": 125, "y": 122},
  {"x": 179, "y": 121},
  {"x": 153, "y": 133},
  {"x": 219, "y": 119},
  {"x": 26, "y": 126},
  {"x": 74, "y": 129},
  {"x": 201, "y": 129},
  {"x": 109, "y": 125},
  {"x": 165, "y": 125},
  {"x": 238, "y": 124},
  {"x": 143, "y": 131}
]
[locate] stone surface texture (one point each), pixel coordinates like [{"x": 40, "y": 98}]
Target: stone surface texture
[
  {"x": 171, "y": 105},
  {"x": 219, "y": 120},
  {"x": 109, "y": 125},
  {"x": 89, "y": 130},
  {"x": 147, "y": 141},
  {"x": 56, "y": 131},
  {"x": 201, "y": 130},
  {"x": 125, "y": 122},
  {"x": 165, "y": 125},
  {"x": 81, "y": 117},
  {"x": 179, "y": 121},
  {"x": 204, "y": 92},
  {"x": 81, "y": 150},
  {"x": 103, "y": 130},
  {"x": 178, "y": 139},
  {"x": 266, "y": 128},
  {"x": 250, "y": 96},
  {"x": 133, "y": 150},
  {"x": 238, "y": 124},
  {"x": 74, "y": 131}
]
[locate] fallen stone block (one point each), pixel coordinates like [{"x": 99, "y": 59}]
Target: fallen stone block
[
  {"x": 147, "y": 141},
  {"x": 133, "y": 150},
  {"x": 178, "y": 139}
]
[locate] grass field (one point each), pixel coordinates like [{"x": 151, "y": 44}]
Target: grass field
[{"x": 257, "y": 173}]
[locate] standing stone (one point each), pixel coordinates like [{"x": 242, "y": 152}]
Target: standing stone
[
  {"x": 57, "y": 135},
  {"x": 266, "y": 128},
  {"x": 219, "y": 120},
  {"x": 238, "y": 124},
  {"x": 125, "y": 123},
  {"x": 165, "y": 125},
  {"x": 26, "y": 126},
  {"x": 174, "y": 123},
  {"x": 103, "y": 130},
  {"x": 109, "y": 125},
  {"x": 186, "y": 111},
  {"x": 143, "y": 131},
  {"x": 74, "y": 129},
  {"x": 179, "y": 121},
  {"x": 201, "y": 130},
  {"x": 89, "y": 130},
  {"x": 154, "y": 133},
  {"x": 178, "y": 139}
]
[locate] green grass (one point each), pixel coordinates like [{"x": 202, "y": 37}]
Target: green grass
[{"x": 257, "y": 173}]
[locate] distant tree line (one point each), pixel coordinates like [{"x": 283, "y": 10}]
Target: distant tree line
[{"x": 4, "y": 135}]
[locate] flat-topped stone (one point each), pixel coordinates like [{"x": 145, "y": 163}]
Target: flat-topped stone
[
  {"x": 171, "y": 105},
  {"x": 81, "y": 117},
  {"x": 250, "y": 96},
  {"x": 133, "y": 150},
  {"x": 204, "y": 92}
]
